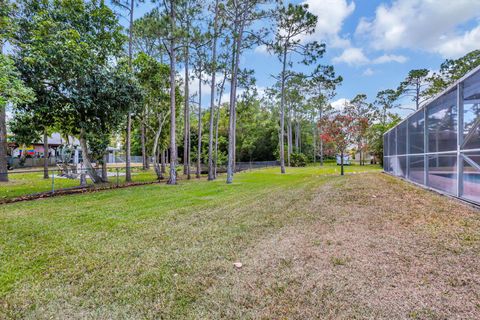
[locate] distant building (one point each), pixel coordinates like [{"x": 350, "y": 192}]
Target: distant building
[{"x": 36, "y": 150}]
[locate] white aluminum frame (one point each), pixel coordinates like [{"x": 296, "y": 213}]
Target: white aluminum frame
[{"x": 459, "y": 151}]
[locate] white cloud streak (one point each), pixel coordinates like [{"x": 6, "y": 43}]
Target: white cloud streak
[
  {"x": 331, "y": 16},
  {"x": 356, "y": 57},
  {"x": 434, "y": 26}
]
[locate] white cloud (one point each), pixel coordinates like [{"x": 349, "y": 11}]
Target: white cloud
[
  {"x": 368, "y": 72},
  {"x": 422, "y": 24},
  {"x": 262, "y": 49},
  {"x": 340, "y": 104},
  {"x": 389, "y": 58},
  {"x": 351, "y": 56},
  {"x": 459, "y": 45},
  {"x": 331, "y": 15},
  {"x": 355, "y": 57}
]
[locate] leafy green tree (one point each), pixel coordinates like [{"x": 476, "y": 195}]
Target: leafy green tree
[
  {"x": 147, "y": 35},
  {"x": 172, "y": 43},
  {"x": 414, "y": 86},
  {"x": 68, "y": 46},
  {"x": 189, "y": 31},
  {"x": 375, "y": 135},
  {"x": 214, "y": 34},
  {"x": 23, "y": 130},
  {"x": 385, "y": 101},
  {"x": 257, "y": 137},
  {"x": 293, "y": 21},
  {"x": 340, "y": 130},
  {"x": 452, "y": 70},
  {"x": 153, "y": 77},
  {"x": 323, "y": 83},
  {"x": 129, "y": 7},
  {"x": 12, "y": 89},
  {"x": 199, "y": 42},
  {"x": 101, "y": 105},
  {"x": 364, "y": 114},
  {"x": 39, "y": 113},
  {"x": 222, "y": 63},
  {"x": 12, "y": 92},
  {"x": 148, "y": 32},
  {"x": 7, "y": 26},
  {"x": 242, "y": 14},
  {"x": 294, "y": 98}
]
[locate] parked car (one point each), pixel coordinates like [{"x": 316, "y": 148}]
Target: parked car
[{"x": 346, "y": 160}]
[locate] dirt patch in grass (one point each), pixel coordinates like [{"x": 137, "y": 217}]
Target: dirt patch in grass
[{"x": 378, "y": 249}]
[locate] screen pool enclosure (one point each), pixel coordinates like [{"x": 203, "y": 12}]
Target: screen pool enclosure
[{"x": 438, "y": 146}]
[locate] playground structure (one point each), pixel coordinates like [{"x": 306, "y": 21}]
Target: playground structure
[{"x": 69, "y": 161}]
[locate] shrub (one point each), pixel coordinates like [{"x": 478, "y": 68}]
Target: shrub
[{"x": 298, "y": 160}]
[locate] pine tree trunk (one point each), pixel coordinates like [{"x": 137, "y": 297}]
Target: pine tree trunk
[
  {"x": 321, "y": 140},
  {"x": 173, "y": 144},
  {"x": 215, "y": 162},
  {"x": 234, "y": 164},
  {"x": 128, "y": 173},
  {"x": 217, "y": 120},
  {"x": 289, "y": 138},
  {"x": 45, "y": 154},
  {"x": 104, "y": 168},
  {"x": 297, "y": 136},
  {"x": 314, "y": 139},
  {"x": 158, "y": 167},
  {"x": 233, "y": 98},
  {"x": 145, "y": 162},
  {"x": 282, "y": 112},
  {"x": 155, "y": 152},
  {"x": 199, "y": 146},
  {"x": 189, "y": 148},
  {"x": 3, "y": 145},
  {"x": 186, "y": 115},
  {"x": 211, "y": 173},
  {"x": 3, "y": 139}
]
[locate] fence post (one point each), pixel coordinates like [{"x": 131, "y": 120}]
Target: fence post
[
  {"x": 53, "y": 181},
  {"x": 117, "y": 178}
]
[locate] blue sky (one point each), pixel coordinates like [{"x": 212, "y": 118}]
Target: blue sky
[{"x": 373, "y": 44}]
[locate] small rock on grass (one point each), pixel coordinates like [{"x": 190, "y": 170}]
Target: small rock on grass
[{"x": 237, "y": 265}]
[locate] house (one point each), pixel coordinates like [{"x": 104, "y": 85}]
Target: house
[{"x": 35, "y": 152}]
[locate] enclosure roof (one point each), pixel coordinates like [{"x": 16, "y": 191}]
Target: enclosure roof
[{"x": 448, "y": 89}]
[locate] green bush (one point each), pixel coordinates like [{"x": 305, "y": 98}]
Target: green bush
[{"x": 298, "y": 160}]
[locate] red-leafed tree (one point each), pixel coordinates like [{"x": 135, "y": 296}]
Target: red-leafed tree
[
  {"x": 363, "y": 112},
  {"x": 340, "y": 130},
  {"x": 363, "y": 123}
]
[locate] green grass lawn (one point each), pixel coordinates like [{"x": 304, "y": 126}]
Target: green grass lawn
[
  {"x": 22, "y": 184},
  {"x": 27, "y": 183},
  {"x": 160, "y": 251}
]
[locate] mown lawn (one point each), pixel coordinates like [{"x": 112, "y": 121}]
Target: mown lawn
[
  {"x": 313, "y": 245},
  {"x": 27, "y": 183}
]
